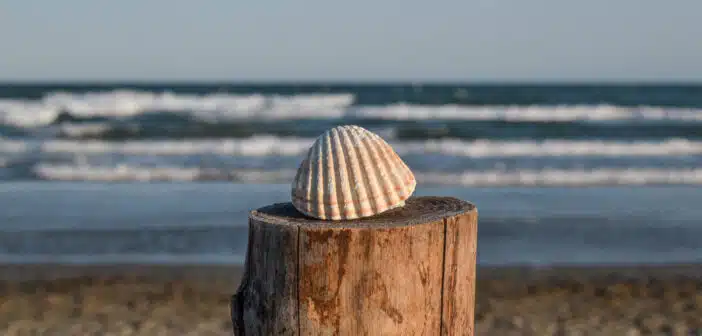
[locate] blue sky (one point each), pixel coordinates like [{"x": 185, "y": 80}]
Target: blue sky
[{"x": 438, "y": 40}]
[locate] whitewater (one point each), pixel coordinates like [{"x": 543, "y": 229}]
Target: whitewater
[
  {"x": 167, "y": 172},
  {"x": 259, "y": 136},
  {"x": 216, "y": 107}
]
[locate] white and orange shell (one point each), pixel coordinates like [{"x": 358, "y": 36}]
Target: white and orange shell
[{"x": 350, "y": 173}]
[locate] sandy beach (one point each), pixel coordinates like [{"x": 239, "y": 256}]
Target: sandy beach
[{"x": 142, "y": 300}]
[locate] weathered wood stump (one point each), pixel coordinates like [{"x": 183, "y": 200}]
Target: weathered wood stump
[{"x": 408, "y": 271}]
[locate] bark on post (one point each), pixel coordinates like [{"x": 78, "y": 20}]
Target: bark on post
[{"x": 409, "y": 271}]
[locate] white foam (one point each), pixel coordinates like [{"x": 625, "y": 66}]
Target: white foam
[
  {"x": 488, "y": 148},
  {"x": 68, "y": 172},
  {"x": 554, "y": 177},
  {"x": 26, "y": 113},
  {"x": 117, "y": 173},
  {"x": 126, "y": 103},
  {"x": 284, "y": 146},
  {"x": 84, "y": 129},
  {"x": 546, "y": 177},
  {"x": 526, "y": 113},
  {"x": 254, "y": 146},
  {"x": 8, "y": 146},
  {"x": 222, "y": 106}
]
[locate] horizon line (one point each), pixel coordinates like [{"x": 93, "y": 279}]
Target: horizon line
[{"x": 344, "y": 82}]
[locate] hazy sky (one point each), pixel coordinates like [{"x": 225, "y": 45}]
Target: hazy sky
[{"x": 461, "y": 40}]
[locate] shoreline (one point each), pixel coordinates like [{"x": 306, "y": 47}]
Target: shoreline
[
  {"x": 194, "y": 300},
  {"x": 590, "y": 272}
]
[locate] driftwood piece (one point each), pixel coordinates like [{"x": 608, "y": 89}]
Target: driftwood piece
[{"x": 408, "y": 271}]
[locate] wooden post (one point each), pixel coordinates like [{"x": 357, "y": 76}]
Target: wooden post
[{"x": 408, "y": 271}]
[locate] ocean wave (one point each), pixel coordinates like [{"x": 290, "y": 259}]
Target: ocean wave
[
  {"x": 544, "y": 177},
  {"x": 292, "y": 146},
  {"x": 217, "y": 107},
  {"x": 555, "y": 177},
  {"x": 78, "y": 130},
  {"x": 210, "y": 107},
  {"x": 534, "y": 113},
  {"x": 123, "y": 172},
  {"x": 183, "y": 127}
]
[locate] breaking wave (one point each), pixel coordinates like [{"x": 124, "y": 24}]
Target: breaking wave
[
  {"x": 544, "y": 177},
  {"x": 216, "y": 107},
  {"x": 293, "y": 146}
]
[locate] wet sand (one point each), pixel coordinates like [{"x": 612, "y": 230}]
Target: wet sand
[{"x": 144, "y": 300}]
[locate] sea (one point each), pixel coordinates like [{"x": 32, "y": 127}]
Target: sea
[{"x": 166, "y": 173}]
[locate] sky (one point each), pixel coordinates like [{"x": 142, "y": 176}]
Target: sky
[{"x": 360, "y": 40}]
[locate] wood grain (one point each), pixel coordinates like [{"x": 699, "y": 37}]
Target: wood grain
[
  {"x": 409, "y": 271},
  {"x": 266, "y": 302},
  {"x": 371, "y": 282},
  {"x": 459, "y": 275}
]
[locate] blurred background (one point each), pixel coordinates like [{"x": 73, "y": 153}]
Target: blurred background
[{"x": 142, "y": 133}]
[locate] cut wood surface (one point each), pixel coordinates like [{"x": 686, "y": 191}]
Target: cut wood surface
[{"x": 408, "y": 271}]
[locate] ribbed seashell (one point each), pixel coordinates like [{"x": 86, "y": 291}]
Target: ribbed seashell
[{"x": 350, "y": 173}]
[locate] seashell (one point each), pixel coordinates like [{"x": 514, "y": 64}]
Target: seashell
[{"x": 350, "y": 173}]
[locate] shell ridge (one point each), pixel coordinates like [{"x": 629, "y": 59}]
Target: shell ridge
[
  {"x": 358, "y": 191},
  {"x": 327, "y": 165},
  {"x": 304, "y": 197},
  {"x": 297, "y": 179},
  {"x": 403, "y": 165},
  {"x": 403, "y": 174},
  {"x": 343, "y": 187},
  {"x": 377, "y": 199},
  {"x": 319, "y": 182},
  {"x": 310, "y": 181},
  {"x": 348, "y": 173},
  {"x": 371, "y": 193},
  {"x": 387, "y": 166},
  {"x": 370, "y": 148}
]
